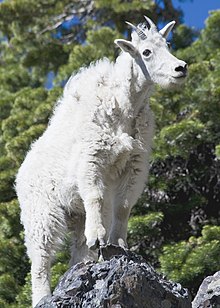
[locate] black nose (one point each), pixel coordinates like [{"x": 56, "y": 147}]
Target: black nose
[{"x": 182, "y": 69}]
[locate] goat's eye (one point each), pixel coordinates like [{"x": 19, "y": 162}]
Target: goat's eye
[{"x": 146, "y": 52}]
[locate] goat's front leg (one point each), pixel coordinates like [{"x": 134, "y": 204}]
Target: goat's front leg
[
  {"x": 91, "y": 189},
  {"x": 94, "y": 228}
]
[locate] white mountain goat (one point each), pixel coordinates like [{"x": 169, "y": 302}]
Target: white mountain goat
[{"x": 90, "y": 166}]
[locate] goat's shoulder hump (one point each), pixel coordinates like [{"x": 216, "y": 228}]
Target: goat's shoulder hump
[{"x": 90, "y": 74}]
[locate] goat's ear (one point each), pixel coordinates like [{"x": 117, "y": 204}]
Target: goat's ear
[
  {"x": 166, "y": 30},
  {"x": 127, "y": 47}
]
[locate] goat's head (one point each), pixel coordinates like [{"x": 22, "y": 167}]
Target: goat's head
[{"x": 150, "y": 51}]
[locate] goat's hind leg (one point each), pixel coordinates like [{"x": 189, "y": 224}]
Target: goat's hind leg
[
  {"x": 40, "y": 274},
  {"x": 43, "y": 234}
]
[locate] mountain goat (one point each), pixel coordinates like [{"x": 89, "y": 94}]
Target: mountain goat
[{"x": 89, "y": 168}]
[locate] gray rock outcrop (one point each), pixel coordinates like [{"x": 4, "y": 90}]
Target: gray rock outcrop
[
  {"x": 123, "y": 279},
  {"x": 208, "y": 295}
]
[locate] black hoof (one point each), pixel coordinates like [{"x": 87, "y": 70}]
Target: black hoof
[{"x": 93, "y": 244}]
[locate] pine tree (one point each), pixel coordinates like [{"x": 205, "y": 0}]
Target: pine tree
[
  {"x": 185, "y": 174},
  {"x": 183, "y": 189}
]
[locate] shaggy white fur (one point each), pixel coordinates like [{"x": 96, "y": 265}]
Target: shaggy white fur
[{"x": 90, "y": 166}]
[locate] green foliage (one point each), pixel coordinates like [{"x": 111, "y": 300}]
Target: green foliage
[
  {"x": 123, "y": 6},
  {"x": 189, "y": 261},
  {"x": 185, "y": 170},
  {"x": 172, "y": 138},
  {"x": 13, "y": 261},
  {"x": 8, "y": 287},
  {"x": 144, "y": 235},
  {"x": 183, "y": 36},
  {"x": 217, "y": 151},
  {"x": 96, "y": 48},
  {"x": 140, "y": 226},
  {"x": 23, "y": 299},
  {"x": 57, "y": 271}
]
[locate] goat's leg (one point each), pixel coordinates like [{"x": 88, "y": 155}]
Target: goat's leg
[
  {"x": 133, "y": 183},
  {"x": 118, "y": 233},
  {"x": 107, "y": 213},
  {"x": 40, "y": 275},
  {"x": 98, "y": 220},
  {"x": 40, "y": 256},
  {"x": 94, "y": 228},
  {"x": 44, "y": 231},
  {"x": 79, "y": 249},
  {"x": 91, "y": 189}
]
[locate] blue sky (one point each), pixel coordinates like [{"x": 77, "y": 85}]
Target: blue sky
[{"x": 196, "y": 11}]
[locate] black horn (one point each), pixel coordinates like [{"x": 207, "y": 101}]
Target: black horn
[{"x": 149, "y": 23}]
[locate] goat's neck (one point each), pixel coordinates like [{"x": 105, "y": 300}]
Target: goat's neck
[{"x": 136, "y": 83}]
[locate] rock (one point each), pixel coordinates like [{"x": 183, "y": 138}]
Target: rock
[
  {"x": 208, "y": 294},
  {"x": 121, "y": 280}
]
